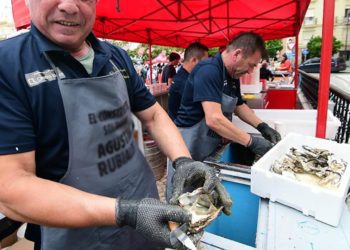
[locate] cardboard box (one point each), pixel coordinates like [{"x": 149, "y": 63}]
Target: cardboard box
[{"x": 324, "y": 204}]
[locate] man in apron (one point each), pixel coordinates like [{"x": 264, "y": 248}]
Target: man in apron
[
  {"x": 194, "y": 53},
  {"x": 68, "y": 161},
  {"x": 212, "y": 94}
]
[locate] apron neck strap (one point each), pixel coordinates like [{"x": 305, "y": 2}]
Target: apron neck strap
[{"x": 56, "y": 69}]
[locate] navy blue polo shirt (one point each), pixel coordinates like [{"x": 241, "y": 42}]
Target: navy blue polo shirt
[
  {"x": 175, "y": 92},
  {"x": 205, "y": 83},
  {"x": 168, "y": 72},
  {"x": 31, "y": 108}
]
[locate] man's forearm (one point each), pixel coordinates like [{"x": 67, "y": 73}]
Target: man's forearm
[
  {"x": 31, "y": 199},
  {"x": 247, "y": 115},
  {"x": 228, "y": 130}
]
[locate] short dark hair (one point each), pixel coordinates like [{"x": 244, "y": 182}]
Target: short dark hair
[
  {"x": 285, "y": 56},
  {"x": 249, "y": 42},
  {"x": 196, "y": 50},
  {"x": 174, "y": 56}
]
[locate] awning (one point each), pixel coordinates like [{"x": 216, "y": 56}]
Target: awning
[{"x": 180, "y": 22}]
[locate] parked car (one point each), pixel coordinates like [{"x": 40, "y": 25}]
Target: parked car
[{"x": 313, "y": 65}]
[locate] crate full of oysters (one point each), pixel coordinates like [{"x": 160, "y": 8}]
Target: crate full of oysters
[{"x": 309, "y": 174}]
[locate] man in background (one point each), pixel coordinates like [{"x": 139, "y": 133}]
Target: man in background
[
  {"x": 265, "y": 73},
  {"x": 169, "y": 70},
  {"x": 194, "y": 53},
  {"x": 212, "y": 93}
]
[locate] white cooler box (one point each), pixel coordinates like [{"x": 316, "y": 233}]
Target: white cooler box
[
  {"x": 324, "y": 204},
  {"x": 291, "y": 120}
]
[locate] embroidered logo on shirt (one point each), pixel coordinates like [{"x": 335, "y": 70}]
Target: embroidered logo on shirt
[
  {"x": 123, "y": 72},
  {"x": 35, "y": 78}
]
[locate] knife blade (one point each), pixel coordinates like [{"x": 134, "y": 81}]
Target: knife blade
[
  {"x": 178, "y": 234},
  {"x": 183, "y": 238}
]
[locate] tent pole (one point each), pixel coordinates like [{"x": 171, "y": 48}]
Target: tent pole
[
  {"x": 326, "y": 52},
  {"x": 296, "y": 71},
  {"x": 150, "y": 55},
  {"x": 296, "y": 48},
  {"x": 150, "y": 62}
]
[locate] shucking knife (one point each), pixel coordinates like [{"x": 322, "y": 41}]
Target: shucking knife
[{"x": 178, "y": 233}]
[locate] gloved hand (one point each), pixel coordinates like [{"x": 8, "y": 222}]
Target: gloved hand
[
  {"x": 268, "y": 133},
  {"x": 259, "y": 145},
  {"x": 197, "y": 174},
  {"x": 150, "y": 218}
]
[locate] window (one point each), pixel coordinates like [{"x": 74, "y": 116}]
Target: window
[
  {"x": 309, "y": 17},
  {"x": 315, "y": 60},
  {"x": 347, "y": 15}
]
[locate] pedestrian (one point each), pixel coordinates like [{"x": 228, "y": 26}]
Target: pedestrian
[
  {"x": 169, "y": 70},
  {"x": 285, "y": 64},
  {"x": 69, "y": 164},
  {"x": 265, "y": 73},
  {"x": 194, "y": 53}
]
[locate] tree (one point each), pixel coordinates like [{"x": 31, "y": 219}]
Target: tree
[
  {"x": 272, "y": 46},
  {"x": 315, "y": 44}
]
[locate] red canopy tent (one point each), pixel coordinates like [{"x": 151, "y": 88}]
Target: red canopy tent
[
  {"x": 180, "y": 22},
  {"x": 211, "y": 22}
]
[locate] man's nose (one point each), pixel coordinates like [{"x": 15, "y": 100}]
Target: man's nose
[{"x": 69, "y": 6}]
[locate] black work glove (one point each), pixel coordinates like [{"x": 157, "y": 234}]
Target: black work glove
[
  {"x": 268, "y": 133},
  {"x": 150, "y": 218},
  {"x": 259, "y": 145},
  {"x": 197, "y": 174}
]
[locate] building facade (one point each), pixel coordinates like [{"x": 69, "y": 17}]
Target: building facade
[{"x": 312, "y": 25}]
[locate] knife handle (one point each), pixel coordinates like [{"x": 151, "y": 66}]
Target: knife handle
[{"x": 172, "y": 225}]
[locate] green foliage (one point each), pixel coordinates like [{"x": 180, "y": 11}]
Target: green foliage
[
  {"x": 272, "y": 46},
  {"x": 213, "y": 51},
  {"x": 315, "y": 44}
]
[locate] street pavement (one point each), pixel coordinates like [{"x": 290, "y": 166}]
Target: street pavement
[{"x": 339, "y": 81}]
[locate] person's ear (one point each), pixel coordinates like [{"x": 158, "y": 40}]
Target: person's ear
[{"x": 236, "y": 54}]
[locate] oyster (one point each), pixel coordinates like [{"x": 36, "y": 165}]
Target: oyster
[
  {"x": 199, "y": 204},
  {"x": 313, "y": 165}
]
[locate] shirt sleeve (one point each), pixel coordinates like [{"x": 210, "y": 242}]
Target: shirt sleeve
[
  {"x": 207, "y": 84},
  {"x": 16, "y": 123}
]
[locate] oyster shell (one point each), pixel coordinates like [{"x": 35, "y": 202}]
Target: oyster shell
[
  {"x": 314, "y": 165},
  {"x": 199, "y": 204}
]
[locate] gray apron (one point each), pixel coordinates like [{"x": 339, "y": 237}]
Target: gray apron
[
  {"x": 201, "y": 141},
  {"x": 103, "y": 159}
]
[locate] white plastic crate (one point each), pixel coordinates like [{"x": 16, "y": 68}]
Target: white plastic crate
[
  {"x": 291, "y": 121},
  {"x": 251, "y": 88},
  {"x": 324, "y": 204}
]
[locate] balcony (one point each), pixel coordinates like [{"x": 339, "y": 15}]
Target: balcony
[
  {"x": 342, "y": 20},
  {"x": 310, "y": 21}
]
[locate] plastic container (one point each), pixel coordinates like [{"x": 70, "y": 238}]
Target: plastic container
[
  {"x": 291, "y": 121},
  {"x": 251, "y": 88},
  {"x": 324, "y": 204}
]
